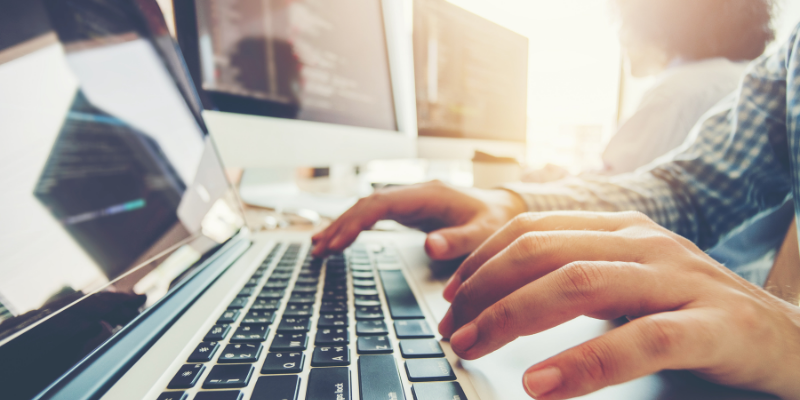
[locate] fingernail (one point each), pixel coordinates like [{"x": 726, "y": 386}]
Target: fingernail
[
  {"x": 464, "y": 338},
  {"x": 334, "y": 243},
  {"x": 451, "y": 288},
  {"x": 542, "y": 382},
  {"x": 437, "y": 244},
  {"x": 446, "y": 326}
]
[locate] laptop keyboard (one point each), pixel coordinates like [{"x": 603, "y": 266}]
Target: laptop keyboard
[{"x": 331, "y": 330}]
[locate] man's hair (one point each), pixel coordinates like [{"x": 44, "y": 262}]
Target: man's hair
[{"x": 699, "y": 29}]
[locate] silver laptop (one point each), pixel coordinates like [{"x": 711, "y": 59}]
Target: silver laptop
[{"x": 127, "y": 271}]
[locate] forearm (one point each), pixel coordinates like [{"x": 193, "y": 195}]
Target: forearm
[{"x": 644, "y": 193}]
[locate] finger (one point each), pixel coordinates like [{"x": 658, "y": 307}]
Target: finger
[
  {"x": 644, "y": 346},
  {"x": 605, "y": 290},
  {"x": 530, "y": 257},
  {"x": 405, "y": 204},
  {"x": 530, "y": 222},
  {"x": 365, "y": 213},
  {"x": 457, "y": 241}
]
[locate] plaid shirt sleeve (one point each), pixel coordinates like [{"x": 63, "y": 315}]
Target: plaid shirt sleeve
[{"x": 734, "y": 164}]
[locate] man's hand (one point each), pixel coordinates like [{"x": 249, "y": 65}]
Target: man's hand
[
  {"x": 458, "y": 219},
  {"x": 686, "y": 310}
]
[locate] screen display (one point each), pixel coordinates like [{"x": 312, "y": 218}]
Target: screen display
[
  {"x": 311, "y": 60},
  {"x": 471, "y": 75},
  {"x": 112, "y": 189}
]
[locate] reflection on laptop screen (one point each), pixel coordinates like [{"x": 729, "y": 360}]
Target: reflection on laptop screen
[{"x": 109, "y": 184}]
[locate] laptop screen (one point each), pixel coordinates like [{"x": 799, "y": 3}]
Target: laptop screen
[{"x": 111, "y": 187}]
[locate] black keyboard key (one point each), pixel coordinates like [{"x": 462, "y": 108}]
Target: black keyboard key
[
  {"x": 187, "y": 376},
  {"x": 334, "y": 296},
  {"x": 438, "y": 391},
  {"x": 304, "y": 289},
  {"x": 365, "y": 291},
  {"x": 172, "y": 396},
  {"x": 379, "y": 378},
  {"x": 289, "y": 342},
  {"x": 371, "y": 328},
  {"x": 266, "y": 304},
  {"x": 402, "y": 303},
  {"x": 365, "y": 313},
  {"x": 252, "y": 282},
  {"x": 335, "y": 288},
  {"x": 219, "y": 395},
  {"x": 303, "y": 299},
  {"x": 329, "y": 384},
  {"x": 307, "y": 281},
  {"x": 363, "y": 275},
  {"x": 331, "y": 336},
  {"x": 412, "y": 329},
  {"x": 246, "y": 291},
  {"x": 333, "y": 320},
  {"x": 281, "y": 275},
  {"x": 361, "y": 267},
  {"x": 283, "y": 363},
  {"x": 204, "y": 352},
  {"x": 285, "y": 387},
  {"x": 251, "y": 333},
  {"x": 429, "y": 369},
  {"x": 294, "y": 324},
  {"x": 217, "y": 333},
  {"x": 258, "y": 317},
  {"x": 228, "y": 376},
  {"x": 361, "y": 301},
  {"x": 298, "y": 310},
  {"x": 374, "y": 345},
  {"x": 335, "y": 307},
  {"x": 336, "y": 279},
  {"x": 238, "y": 303},
  {"x": 271, "y": 294},
  {"x": 330, "y": 356},
  {"x": 240, "y": 353},
  {"x": 420, "y": 348},
  {"x": 228, "y": 317},
  {"x": 364, "y": 283},
  {"x": 277, "y": 284}
]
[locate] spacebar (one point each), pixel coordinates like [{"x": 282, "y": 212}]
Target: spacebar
[
  {"x": 402, "y": 303},
  {"x": 379, "y": 378}
]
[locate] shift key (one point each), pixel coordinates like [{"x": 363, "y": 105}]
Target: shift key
[{"x": 379, "y": 378}]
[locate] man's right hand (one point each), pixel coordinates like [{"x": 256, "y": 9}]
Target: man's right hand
[{"x": 458, "y": 220}]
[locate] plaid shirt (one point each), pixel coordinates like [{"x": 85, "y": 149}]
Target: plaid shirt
[{"x": 743, "y": 157}]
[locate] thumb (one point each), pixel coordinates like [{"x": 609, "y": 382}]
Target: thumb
[{"x": 454, "y": 242}]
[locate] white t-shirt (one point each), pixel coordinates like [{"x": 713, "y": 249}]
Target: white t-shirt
[{"x": 669, "y": 110}]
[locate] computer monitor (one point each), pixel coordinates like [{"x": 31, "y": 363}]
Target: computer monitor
[
  {"x": 302, "y": 83},
  {"x": 471, "y": 83}
]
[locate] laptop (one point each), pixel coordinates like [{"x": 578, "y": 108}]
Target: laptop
[{"x": 128, "y": 271}]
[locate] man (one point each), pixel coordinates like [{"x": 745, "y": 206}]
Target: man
[{"x": 544, "y": 268}]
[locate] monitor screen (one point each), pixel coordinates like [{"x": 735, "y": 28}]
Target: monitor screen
[
  {"x": 310, "y": 60},
  {"x": 112, "y": 190},
  {"x": 471, "y": 75}
]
